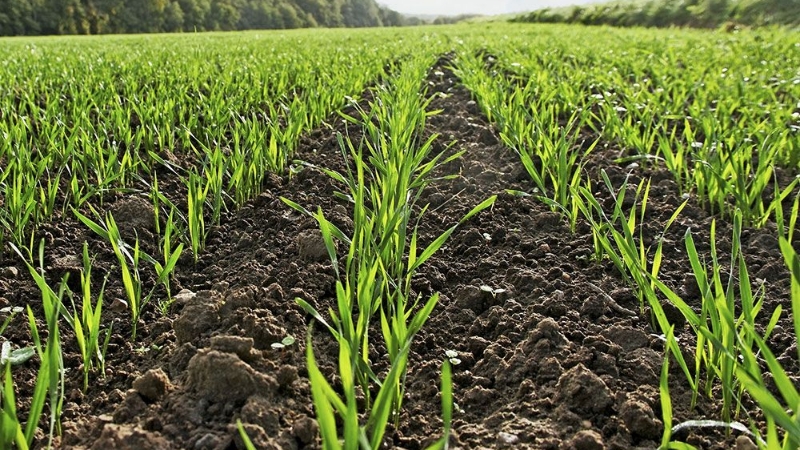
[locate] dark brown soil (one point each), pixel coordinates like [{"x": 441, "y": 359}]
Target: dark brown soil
[{"x": 556, "y": 355}]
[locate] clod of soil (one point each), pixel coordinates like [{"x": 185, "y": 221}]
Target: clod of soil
[
  {"x": 127, "y": 437},
  {"x": 583, "y": 392},
  {"x": 223, "y": 377},
  {"x": 153, "y": 385}
]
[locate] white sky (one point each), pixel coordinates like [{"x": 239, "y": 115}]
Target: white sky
[{"x": 451, "y": 7}]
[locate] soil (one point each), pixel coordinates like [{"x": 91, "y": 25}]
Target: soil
[{"x": 557, "y": 354}]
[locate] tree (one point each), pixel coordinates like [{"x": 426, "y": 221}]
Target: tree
[
  {"x": 710, "y": 13},
  {"x": 361, "y": 13},
  {"x": 195, "y": 13},
  {"x": 173, "y": 17},
  {"x": 289, "y": 16},
  {"x": 223, "y": 16},
  {"x": 19, "y": 17}
]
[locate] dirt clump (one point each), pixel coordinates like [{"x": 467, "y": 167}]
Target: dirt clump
[
  {"x": 153, "y": 385},
  {"x": 127, "y": 437},
  {"x": 223, "y": 377}
]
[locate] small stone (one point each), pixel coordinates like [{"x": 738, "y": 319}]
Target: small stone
[
  {"x": 153, "y": 385},
  {"x": 544, "y": 248},
  {"x": 119, "y": 305},
  {"x": 745, "y": 443},
  {"x": 10, "y": 272},
  {"x": 507, "y": 439},
  {"x": 184, "y": 296},
  {"x": 311, "y": 246},
  {"x": 208, "y": 441}
]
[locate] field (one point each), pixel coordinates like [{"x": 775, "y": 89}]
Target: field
[{"x": 482, "y": 236}]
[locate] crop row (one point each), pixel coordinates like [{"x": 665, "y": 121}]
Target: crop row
[
  {"x": 721, "y": 115},
  {"x": 83, "y": 119}
]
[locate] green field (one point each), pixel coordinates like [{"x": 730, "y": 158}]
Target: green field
[{"x": 350, "y": 169}]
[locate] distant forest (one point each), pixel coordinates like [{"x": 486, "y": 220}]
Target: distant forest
[
  {"x": 681, "y": 13},
  {"x": 47, "y": 17}
]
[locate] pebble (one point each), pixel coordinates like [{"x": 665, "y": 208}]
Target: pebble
[
  {"x": 208, "y": 441},
  {"x": 745, "y": 443},
  {"x": 119, "y": 305},
  {"x": 507, "y": 438},
  {"x": 10, "y": 272},
  {"x": 184, "y": 296}
]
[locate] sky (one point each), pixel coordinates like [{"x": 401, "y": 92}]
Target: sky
[{"x": 455, "y": 7}]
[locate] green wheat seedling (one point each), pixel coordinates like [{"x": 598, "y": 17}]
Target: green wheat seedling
[
  {"x": 666, "y": 400},
  {"x": 248, "y": 443},
  {"x": 49, "y": 387},
  {"x": 370, "y": 436},
  {"x": 620, "y": 238},
  {"x": 786, "y": 230},
  {"x": 530, "y": 121},
  {"x": 782, "y": 410},
  {"x": 87, "y": 321},
  {"x": 366, "y": 287},
  {"x": 198, "y": 192},
  {"x": 129, "y": 259},
  {"x": 19, "y": 210},
  {"x": 11, "y": 433},
  {"x": 723, "y": 176},
  {"x": 170, "y": 255},
  {"x": 388, "y": 172},
  {"x": 666, "y": 413},
  {"x": 722, "y": 336}
]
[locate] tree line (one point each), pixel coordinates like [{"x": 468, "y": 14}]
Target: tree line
[
  {"x": 52, "y": 17},
  {"x": 681, "y": 13}
]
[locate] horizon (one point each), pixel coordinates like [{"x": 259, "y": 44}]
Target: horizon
[{"x": 447, "y": 8}]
